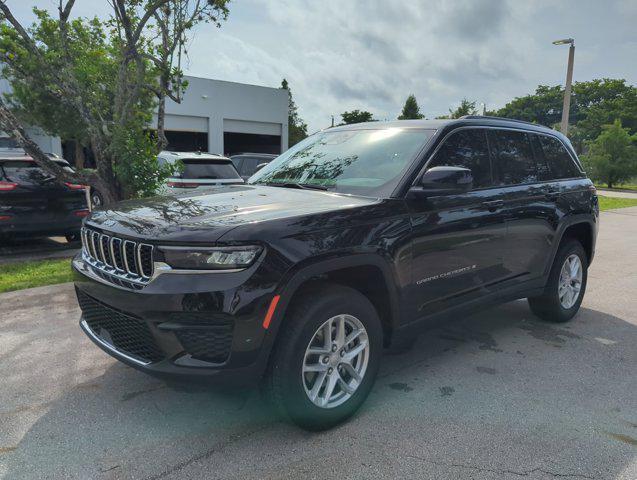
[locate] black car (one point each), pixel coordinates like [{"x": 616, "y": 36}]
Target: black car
[
  {"x": 248, "y": 163},
  {"x": 353, "y": 240},
  {"x": 33, "y": 203}
]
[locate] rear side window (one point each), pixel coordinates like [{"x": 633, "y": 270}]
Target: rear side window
[
  {"x": 558, "y": 159},
  {"x": 513, "y": 160},
  {"x": 466, "y": 148},
  {"x": 202, "y": 170}
]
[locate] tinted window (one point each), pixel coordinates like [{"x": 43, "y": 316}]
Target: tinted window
[
  {"x": 468, "y": 149},
  {"x": 513, "y": 157},
  {"x": 558, "y": 159},
  {"x": 202, "y": 170}
]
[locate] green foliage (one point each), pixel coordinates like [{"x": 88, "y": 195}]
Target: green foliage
[
  {"x": 98, "y": 82},
  {"x": 411, "y": 110},
  {"x": 94, "y": 64},
  {"x": 297, "y": 128},
  {"x": 466, "y": 107},
  {"x": 356, "y": 116},
  {"x": 612, "y": 156},
  {"x": 593, "y": 104},
  {"x": 141, "y": 174}
]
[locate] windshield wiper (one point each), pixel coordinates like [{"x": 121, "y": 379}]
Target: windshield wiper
[{"x": 302, "y": 186}]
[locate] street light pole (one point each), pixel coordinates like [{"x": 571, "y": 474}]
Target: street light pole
[{"x": 569, "y": 79}]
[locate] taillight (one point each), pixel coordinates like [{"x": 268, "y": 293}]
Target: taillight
[
  {"x": 75, "y": 186},
  {"x": 5, "y": 217},
  {"x": 182, "y": 185},
  {"x": 81, "y": 213},
  {"x": 7, "y": 186}
]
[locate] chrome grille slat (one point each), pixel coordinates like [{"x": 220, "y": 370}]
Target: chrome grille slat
[
  {"x": 94, "y": 235},
  {"x": 117, "y": 259}
]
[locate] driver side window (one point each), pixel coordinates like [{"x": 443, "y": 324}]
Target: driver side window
[{"x": 466, "y": 148}]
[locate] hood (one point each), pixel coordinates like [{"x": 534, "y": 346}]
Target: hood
[{"x": 206, "y": 216}]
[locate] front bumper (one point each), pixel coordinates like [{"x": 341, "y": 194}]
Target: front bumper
[{"x": 181, "y": 327}]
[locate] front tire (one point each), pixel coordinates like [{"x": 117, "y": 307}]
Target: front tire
[
  {"x": 565, "y": 289},
  {"x": 327, "y": 357}
]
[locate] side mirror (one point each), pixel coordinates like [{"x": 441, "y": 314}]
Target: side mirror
[
  {"x": 260, "y": 166},
  {"x": 443, "y": 181}
]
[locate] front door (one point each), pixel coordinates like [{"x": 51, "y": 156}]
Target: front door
[{"x": 458, "y": 240}]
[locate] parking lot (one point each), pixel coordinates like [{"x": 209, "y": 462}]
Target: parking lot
[{"x": 496, "y": 395}]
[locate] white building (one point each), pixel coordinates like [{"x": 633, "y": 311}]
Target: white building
[{"x": 214, "y": 116}]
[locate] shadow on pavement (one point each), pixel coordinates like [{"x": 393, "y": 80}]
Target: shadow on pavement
[{"x": 496, "y": 395}]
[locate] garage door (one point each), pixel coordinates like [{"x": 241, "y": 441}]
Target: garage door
[{"x": 240, "y": 136}]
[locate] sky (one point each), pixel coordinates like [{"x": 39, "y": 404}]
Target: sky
[{"x": 371, "y": 54}]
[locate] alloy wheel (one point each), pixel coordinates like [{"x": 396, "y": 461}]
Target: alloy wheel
[
  {"x": 570, "y": 282},
  {"x": 335, "y": 361}
]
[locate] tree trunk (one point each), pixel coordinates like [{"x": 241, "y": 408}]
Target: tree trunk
[{"x": 80, "y": 160}]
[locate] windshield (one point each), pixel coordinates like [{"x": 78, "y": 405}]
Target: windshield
[
  {"x": 364, "y": 162},
  {"x": 213, "y": 170}
]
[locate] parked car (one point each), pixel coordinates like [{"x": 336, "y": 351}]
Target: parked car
[
  {"x": 354, "y": 239},
  {"x": 199, "y": 170},
  {"x": 248, "y": 163},
  {"x": 33, "y": 203}
]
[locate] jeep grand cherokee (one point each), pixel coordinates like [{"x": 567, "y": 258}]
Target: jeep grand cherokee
[{"x": 344, "y": 244}]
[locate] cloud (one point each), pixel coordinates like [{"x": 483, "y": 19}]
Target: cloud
[{"x": 371, "y": 54}]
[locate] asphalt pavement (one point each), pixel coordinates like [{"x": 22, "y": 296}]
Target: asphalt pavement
[{"x": 499, "y": 394}]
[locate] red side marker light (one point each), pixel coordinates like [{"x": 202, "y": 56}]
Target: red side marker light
[
  {"x": 270, "y": 314},
  {"x": 81, "y": 213}
]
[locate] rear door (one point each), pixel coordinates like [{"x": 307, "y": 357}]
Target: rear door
[
  {"x": 458, "y": 239},
  {"x": 529, "y": 198}
]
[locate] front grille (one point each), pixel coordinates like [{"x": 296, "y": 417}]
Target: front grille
[
  {"x": 209, "y": 343},
  {"x": 122, "y": 262},
  {"x": 127, "y": 334}
]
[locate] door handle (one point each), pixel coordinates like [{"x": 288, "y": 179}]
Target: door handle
[{"x": 493, "y": 205}]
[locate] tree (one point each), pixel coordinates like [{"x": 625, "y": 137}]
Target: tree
[
  {"x": 356, "y": 116},
  {"x": 593, "y": 104},
  {"x": 98, "y": 82},
  {"x": 411, "y": 110},
  {"x": 297, "y": 128},
  {"x": 612, "y": 156},
  {"x": 466, "y": 107}
]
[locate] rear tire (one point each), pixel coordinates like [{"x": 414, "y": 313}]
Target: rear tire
[
  {"x": 566, "y": 285},
  {"x": 306, "y": 363}
]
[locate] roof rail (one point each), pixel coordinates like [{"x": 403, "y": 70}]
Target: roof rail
[{"x": 479, "y": 117}]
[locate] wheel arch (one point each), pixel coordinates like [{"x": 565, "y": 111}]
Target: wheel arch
[
  {"x": 379, "y": 287},
  {"x": 579, "y": 227}
]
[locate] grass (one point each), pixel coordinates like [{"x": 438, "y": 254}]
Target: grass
[
  {"x": 16, "y": 276},
  {"x": 608, "y": 203},
  {"x": 627, "y": 186}
]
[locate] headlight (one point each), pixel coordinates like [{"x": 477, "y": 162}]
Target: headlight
[{"x": 214, "y": 258}]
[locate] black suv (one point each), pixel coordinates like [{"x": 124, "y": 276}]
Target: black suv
[{"x": 351, "y": 240}]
